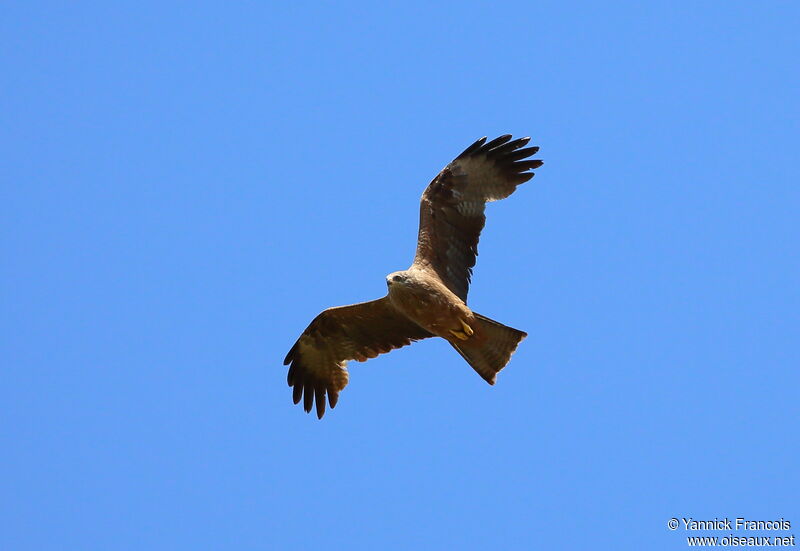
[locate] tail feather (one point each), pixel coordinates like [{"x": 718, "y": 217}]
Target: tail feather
[{"x": 493, "y": 354}]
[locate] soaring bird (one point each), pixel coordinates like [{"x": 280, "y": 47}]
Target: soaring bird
[{"x": 429, "y": 299}]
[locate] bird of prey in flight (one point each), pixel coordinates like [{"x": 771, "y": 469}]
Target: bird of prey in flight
[{"x": 430, "y": 298}]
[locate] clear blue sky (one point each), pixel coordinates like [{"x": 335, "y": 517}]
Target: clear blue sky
[{"x": 185, "y": 185}]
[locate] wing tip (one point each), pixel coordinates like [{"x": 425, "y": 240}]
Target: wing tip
[
  {"x": 310, "y": 390},
  {"x": 319, "y": 398},
  {"x": 503, "y": 150},
  {"x": 308, "y": 396},
  {"x": 290, "y": 355},
  {"x": 495, "y": 143},
  {"x": 472, "y": 148},
  {"x": 297, "y": 392}
]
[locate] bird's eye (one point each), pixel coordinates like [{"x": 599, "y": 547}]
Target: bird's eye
[{"x": 396, "y": 278}]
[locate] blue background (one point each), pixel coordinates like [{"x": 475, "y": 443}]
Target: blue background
[{"x": 184, "y": 186}]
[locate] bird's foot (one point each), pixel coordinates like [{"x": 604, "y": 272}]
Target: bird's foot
[{"x": 465, "y": 333}]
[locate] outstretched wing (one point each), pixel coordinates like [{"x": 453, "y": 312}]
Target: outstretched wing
[
  {"x": 452, "y": 206},
  {"x": 356, "y": 332}
]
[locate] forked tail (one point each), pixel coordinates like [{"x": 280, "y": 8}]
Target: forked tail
[{"x": 492, "y": 355}]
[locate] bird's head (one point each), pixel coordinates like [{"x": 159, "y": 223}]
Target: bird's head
[{"x": 396, "y": 278}]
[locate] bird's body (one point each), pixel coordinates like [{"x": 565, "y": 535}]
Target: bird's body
[
  {"x": 429, "y": 299},
  {"x": 428, "y": 302}
]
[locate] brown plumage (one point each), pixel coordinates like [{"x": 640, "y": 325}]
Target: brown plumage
[{"x": 428, "y": 299}]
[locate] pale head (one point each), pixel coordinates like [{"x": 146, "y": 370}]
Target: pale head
[{"x": 397, "y": 278}]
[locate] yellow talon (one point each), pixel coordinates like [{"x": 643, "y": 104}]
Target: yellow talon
[{"x": 465, "y": 333}]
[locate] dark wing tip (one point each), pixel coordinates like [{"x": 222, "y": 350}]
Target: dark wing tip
[
  {"x": 519, "y": 154},
  {"x": 500, "y": 140},
  {"x": 308, "y": 396},
  {"x": 473, "y": 148},
  {"x": 502, "y": 149},
  {"x": 290, "y": 355},
  {"x": 521, "y": 178},
  {"x": 297, "y": 392},
  {"x": 309, "y": 389},
  {"x": 515, "y": 161},
  {"x": 527, "y": 165},
  {"x": 319, "y": 396}
]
